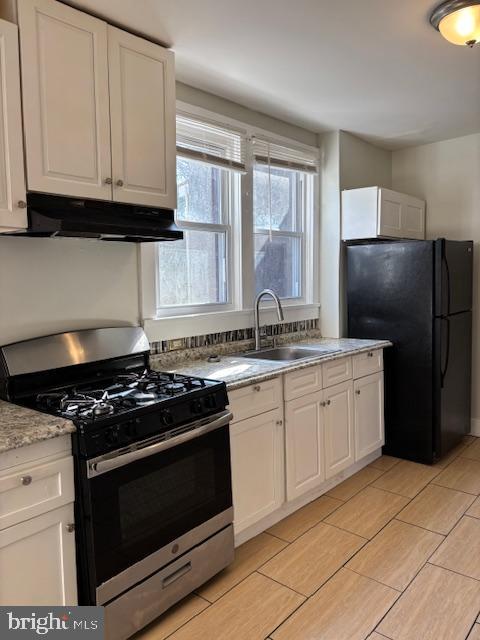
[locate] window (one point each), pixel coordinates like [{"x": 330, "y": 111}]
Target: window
[
  {"x": 245, "y": 204},
  {"x": 281, "y": 182},
  {"x": 196, "y": 271}
]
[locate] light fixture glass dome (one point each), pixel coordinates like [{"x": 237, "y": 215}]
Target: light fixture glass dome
[{"x": 458, "y": 21}]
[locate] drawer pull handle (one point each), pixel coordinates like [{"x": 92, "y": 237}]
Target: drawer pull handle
[
  {"x": 70, "y": 527},
  {"x": 257, "y": 387},
  {"x": 108, "y": 181},
  {"x": 176, "y": 575},
  {"x": 370, "y": 354},
  {"x": 357, "y": 392},
  {"x": 26, "y": 480}
]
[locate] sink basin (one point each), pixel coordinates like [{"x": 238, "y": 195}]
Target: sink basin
[{"x": 286, "y": 354}]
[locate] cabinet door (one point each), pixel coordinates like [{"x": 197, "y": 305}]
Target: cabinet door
[
  {"x": 12, "y": 177},
  {"x": 142, "y": 104},
  {"x": 304, "y": 444},
  {"x": 339, "y": 431},
  {"x": 400, "y": 215},
  {"x": 369, "y": 417},
  {"x": 257, "y": 467},
  {"x": 37, "y": 561},
  {"x": 65, "y": 100}
]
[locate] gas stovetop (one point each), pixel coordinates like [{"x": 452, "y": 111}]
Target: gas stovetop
[{"x": 124, "y": 393}]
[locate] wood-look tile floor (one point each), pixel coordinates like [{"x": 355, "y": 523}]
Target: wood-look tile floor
[{"x": 393, "y": 553}]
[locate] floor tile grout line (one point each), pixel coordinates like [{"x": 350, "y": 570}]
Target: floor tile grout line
[
  {"x": 468, "y": 493},
  {"x": 384, "y": 584},
  {"x": 439, "y": 566},
  {"x": 281, "y": 584},
  {"x": 413, "y": 524}
]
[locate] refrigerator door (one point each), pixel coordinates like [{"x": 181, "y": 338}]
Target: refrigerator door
[
  {"x": 453, "y": 276},
  {"x": 453, "y": 353},
  {"x": 390, "y": 295}
]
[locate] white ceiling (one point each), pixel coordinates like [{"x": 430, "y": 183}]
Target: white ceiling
[{"x": 372, "y": 67}]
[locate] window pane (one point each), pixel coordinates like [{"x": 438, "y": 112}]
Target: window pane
[
  {"x": 282, "y": 188},
  {"x": 199, "y": 192},
  {"x": 193, "y": 270},
  {"x": 278, "y": 265}
]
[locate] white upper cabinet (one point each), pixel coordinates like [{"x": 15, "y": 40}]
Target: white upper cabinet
[
  {"x": 142, "y": 102},
  {"x": 375, "y": 212},
  {"x": 12, "y": 177},
  {"x": 65, "y": 100},
  {"x": 99, "y": 108}
]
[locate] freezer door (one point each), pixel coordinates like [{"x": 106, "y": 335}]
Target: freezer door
[
  {"x": 453, "y": 353},
  {"x": 453, "y": 276},
  {"x": 390, "y": 295}
]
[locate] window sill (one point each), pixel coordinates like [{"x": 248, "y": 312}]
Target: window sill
[{"x": 169, "y": 328}]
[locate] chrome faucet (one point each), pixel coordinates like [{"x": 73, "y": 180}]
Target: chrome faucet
[{"x": 272, "y": 294}]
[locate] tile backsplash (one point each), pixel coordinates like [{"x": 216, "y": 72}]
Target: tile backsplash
[{"x": 238, "y": 335}]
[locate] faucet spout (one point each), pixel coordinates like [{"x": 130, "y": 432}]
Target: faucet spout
[{"x": 278, "y": 304}]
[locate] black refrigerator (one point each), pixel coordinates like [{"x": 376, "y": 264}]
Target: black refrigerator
[{"x": 418, "y": 295}]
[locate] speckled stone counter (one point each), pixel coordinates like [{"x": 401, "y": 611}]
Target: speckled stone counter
[
  {"x": 238, "y": 371},
  {"x": 20, "y": 427}
]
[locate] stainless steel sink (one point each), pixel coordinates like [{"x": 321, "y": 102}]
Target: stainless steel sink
[{"x": 286, "y": 354}]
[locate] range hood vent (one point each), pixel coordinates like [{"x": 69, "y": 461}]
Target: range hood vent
[{"x": 59, "y": 216}]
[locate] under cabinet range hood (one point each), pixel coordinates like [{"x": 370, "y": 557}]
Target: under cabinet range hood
[{"x": 59, "y": 216}]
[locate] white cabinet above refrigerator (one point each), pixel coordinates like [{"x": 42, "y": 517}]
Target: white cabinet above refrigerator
[{"x": 375, "y": 212}]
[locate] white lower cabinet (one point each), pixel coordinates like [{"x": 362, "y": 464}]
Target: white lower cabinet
[
  {"x": 37, "y": 531},
  {"x": 339, "y": 428},
  {"x": 37, "y": 561},
  {"x": 257, "y": 454},
  {"x": 369, "y": 415},
  {"x": 304, "y": 426}
]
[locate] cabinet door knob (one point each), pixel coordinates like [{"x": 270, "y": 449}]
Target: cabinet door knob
[
  {"x": 357, "y": 392},
  {"x": 26, "y": 480},
  {"x": 70, "y": 527},
  {"x": 108, "y": 181},
  {"x": 370, "y": 354},
  {"x": 279, "y": 423},
  {"x": 257, "y": 387},
  {"x": 323, "y": 404},
  {"x": 329, "y": 402},
  {"x": 21, "y": 204},
  {"x": 119, "y": 183}
]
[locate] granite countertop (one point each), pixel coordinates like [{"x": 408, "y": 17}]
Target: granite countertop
[
  {"x": 239, "y": 371},
  {"x": 20, "y": 427}
]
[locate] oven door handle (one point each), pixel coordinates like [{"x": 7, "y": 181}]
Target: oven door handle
[{"x": 103, "y": 464}]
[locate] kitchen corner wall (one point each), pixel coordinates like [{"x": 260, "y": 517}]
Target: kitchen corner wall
[
  {"x": 347, "y": 163},
  {"x": 447, "y": 175}
]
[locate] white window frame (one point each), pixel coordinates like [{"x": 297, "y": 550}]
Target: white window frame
[
  {"x": 179, "y": 322},
  {"x": 230, "y": 188}
]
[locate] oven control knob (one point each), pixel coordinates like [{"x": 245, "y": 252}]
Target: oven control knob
[
  {"x": 210, "y": 402},
  {"x": 196, "y": 406},
  {"x": 166, "y": 417}
]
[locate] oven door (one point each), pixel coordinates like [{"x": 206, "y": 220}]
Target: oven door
[{"x": 151, "y": 504}]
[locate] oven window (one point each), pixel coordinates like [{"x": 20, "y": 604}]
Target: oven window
[
  {"x": 148, "y": 504},
  {"x": 145, "y": 500}
]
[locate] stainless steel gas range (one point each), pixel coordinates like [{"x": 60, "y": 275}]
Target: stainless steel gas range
[{"x": 152, "y": 465}]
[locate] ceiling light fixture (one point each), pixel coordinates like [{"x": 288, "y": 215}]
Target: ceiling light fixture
[{"x": 458, "y": 21}]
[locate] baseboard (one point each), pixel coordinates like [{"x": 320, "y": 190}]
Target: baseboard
[{"x": 475, "y": 427}]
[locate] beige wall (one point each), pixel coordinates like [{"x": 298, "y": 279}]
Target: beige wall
[
  {"x": 50, "y": 285},
  {"x": 447, "y": 175},
  {"x": 362, "y": 164}
]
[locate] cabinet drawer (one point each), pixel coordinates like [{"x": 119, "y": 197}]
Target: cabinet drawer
[
  {"x": 302, "y": 382},
  {"x": 255, "y": 399},
  {"x": 35, "y": 490},
  {"x": 366, "y": 363},
  {"x": 337, "y": 371}
]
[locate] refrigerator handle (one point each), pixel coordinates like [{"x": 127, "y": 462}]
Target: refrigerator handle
[
  {"x": 444, "y": 369},
  {"x": 447, "y": 272}
]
